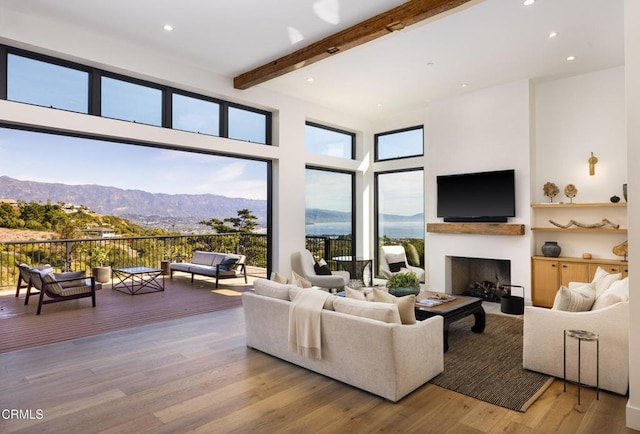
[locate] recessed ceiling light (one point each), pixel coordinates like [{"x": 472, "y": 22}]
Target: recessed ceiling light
[
  {"x": 570, "y": 58},
  {"x": 430, "y": 64},
  {"x": 379, "y": 104},
  {"x": 168, "y": 27},
  {"x": 464, "y": 85},
  {"x": 309, "y": 79},
  {"x": 553, "y": 34},
  {"x": 528, "y": 2}
]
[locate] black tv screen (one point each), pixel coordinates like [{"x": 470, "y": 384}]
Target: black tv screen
[{"x": 477, "y": 197}]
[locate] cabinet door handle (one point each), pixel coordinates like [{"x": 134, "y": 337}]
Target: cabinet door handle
[
  {"x": 564, "y": 266},
  {"x": 553, "y": 265}
]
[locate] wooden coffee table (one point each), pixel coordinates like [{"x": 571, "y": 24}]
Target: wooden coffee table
[{"x": 452, "y": 311}]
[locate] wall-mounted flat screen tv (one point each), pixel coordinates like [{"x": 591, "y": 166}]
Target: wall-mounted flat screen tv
[{"x": 477, "y": 197}]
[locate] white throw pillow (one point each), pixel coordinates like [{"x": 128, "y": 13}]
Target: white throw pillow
[
  {"x": 603, "y": 280},
  {"x": 300, "y": 281},
  {"x": 354, "y": 293},
  {"x": 406, "y": 304},
  {"x": 386, "y": 312},
  {"x": 579, "y": 299},
  {"x": 617, "y": 292},
  {"x": 277, "y": 277}
]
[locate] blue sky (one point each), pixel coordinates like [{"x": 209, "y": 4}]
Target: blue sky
[{"x": 31, "y": 156}]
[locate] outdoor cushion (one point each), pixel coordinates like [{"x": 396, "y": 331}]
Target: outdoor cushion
[
  {"x": 52, "y": 284},
  {"x": 77, "y": 276},
  {"x": 321, "y": 268},
  {"x": 202, "y": 258},
  {"x": 228, "y": 263},
  {"x": 396, "y": 261}
]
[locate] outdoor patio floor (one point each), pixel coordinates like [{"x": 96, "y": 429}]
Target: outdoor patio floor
[{"x": 21, "y": 328}]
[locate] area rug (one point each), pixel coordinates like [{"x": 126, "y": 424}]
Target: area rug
[{"x": 488, "y": 366}]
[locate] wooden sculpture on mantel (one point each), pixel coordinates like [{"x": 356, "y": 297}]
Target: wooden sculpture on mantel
[{"x": 622, "y": 249}]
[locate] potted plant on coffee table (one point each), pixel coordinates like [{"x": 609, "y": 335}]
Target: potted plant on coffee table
[
  {"x": 402, "y": 284},
  {"x": 100, "y": 270}
]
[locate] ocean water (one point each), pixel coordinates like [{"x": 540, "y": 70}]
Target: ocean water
[{"x": 410, "y": 229}]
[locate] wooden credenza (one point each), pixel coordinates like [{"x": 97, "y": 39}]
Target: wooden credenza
[{"x": 548, "y": 274}]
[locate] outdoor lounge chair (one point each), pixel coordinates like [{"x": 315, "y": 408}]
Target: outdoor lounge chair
[
  {"x": 303, "y": 263},
  {"x": 61, "y": 286}
]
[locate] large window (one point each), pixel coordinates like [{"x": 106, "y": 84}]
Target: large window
[
  {"x": 329, "y": 212},
  {"x": 195, "y": 115},
  {"x": 131, "y": 102},
  {"x": 247, "y": 125},
  {"x": 42, "y": 80},
  {"x": 47, "y": 84},
  {"x": 400, "y": 212},
  {"x": 328, "y": 141},
  {"x": 404, "y": 143}
]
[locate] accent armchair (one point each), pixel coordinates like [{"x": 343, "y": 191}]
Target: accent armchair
[
  {"x": 303, "y": 263},
  {"x": 60, "y": 286},
  {"x": 393, "y": 260}
]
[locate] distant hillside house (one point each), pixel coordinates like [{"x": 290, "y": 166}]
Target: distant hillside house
[
  {"x": 99, "y": 232},
  {"x": 11, "y": 202}
]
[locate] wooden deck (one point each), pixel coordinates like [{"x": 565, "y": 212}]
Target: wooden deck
[{"x": 21, "y": 328}]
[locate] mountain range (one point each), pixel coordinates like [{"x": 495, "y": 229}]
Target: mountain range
[{"x": 127, "y": 203}]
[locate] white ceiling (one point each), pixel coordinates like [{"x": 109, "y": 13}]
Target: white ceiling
[{"x": 487, "y": 43}]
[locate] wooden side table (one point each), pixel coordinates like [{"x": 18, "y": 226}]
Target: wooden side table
[{"x": 580, "y": 336}]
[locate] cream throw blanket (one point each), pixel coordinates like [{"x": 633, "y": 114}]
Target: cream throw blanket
[{"x": 304, "y": 323}]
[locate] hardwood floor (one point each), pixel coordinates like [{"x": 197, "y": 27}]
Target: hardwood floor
[{"x": 196, "y": 374}]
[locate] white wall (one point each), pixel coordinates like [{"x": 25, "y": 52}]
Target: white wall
[
  {"x": 574, "y": 117},
  {"x": 483, "y": 130},
  {"x": 632, "y": 73}
]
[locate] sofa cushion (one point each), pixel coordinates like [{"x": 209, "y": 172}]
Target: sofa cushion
[
  {"x": 579, "y": 299},
  {"x": 603, "y": 280},
  {"x": 617, "y": 292},
  {"x": 272, "y": 289},
  {"x": 71, "y": 278},
  {"x": 406, "y": 304},
  {"x": 52, "y": 284},
  {"x": 202, "y": 258},
  {"x": 386, "y": 312}
]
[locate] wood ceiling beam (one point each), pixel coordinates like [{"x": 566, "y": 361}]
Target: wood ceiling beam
[{"x": 382, "y": 24}]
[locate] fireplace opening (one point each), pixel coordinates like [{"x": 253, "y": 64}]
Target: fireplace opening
[{"x": 480, "y": 277}]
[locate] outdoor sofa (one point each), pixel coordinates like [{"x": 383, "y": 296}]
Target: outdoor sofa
[{"x": 212, "y": 264}]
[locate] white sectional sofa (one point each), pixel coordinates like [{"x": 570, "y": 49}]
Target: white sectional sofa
[
  {"x": 212, "y": 264},
  {"x": 387, "y": 359}
]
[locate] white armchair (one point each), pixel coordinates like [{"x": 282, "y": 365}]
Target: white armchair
[
  {"x": 387, "y": 252},
  {"x": 544, "y": 336},
  {"x": 303, "y": 263}
]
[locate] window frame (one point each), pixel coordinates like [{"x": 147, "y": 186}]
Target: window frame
[
  {"x": 376, "y": 207},
  {"x": 336, "y": 130},
  {"x": 95, "y": 92},
  {"x": 387, "y": 133},
  {"x": 5, "y": 51}
]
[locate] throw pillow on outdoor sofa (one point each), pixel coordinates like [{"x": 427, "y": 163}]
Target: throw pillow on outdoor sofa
[{"x": 228, "y": 263}]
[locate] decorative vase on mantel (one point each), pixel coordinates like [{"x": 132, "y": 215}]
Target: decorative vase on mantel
[{"x": 551, "y": 249}]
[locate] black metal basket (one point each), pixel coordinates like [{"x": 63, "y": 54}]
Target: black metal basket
[{"x": 509, "y": 303}]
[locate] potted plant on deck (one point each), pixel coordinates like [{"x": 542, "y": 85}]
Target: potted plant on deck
[
  {"x": 100, "y": 270},
  {"x": 402, "y": 284}
]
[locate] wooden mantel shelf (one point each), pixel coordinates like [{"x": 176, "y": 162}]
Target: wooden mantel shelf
[{"x": 476, "y": 228}]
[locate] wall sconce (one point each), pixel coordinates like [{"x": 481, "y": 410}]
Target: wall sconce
[{"x": 592, "y": 164}]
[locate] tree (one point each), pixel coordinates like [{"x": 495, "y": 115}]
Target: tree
[{"x": 244, "y": 222}]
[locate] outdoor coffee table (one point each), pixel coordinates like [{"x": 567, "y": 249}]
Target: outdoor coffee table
[
  {"x": 452, "y": 311},
  {"x": 138, "y": 280}
]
